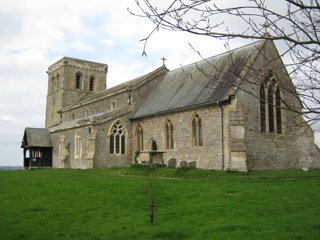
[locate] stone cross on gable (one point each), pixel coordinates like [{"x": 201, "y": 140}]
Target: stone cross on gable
[
  {"x": 265, "y": 25},
  {"x": 163, "y": 60},
  {"x": 266, "y": 34}
]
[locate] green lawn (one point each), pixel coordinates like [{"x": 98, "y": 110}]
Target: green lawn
[{"x": 189, "y": 204}]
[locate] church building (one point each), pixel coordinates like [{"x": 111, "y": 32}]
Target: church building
[{"x": 235, "y": 111}]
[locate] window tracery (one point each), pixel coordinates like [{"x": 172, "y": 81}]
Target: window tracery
[
  {"x": 117, "y": 138},
  {"x": 262, "y": 109},
  {"x": 270, "y": 105}
]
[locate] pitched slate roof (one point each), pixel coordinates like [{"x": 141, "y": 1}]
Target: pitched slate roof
[
  {"x": 206, "y": 82},
  {"x": 128, "y": 85},
  {"x": 36, "y": 137}
]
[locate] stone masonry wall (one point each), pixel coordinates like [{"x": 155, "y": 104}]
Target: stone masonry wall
[
  {"x": 207, "y": 156},
  {"x": 95, "y": 145},
  {"x": 77, "y": 119},
  {"x": 266, "y": 150},
  {"x": 62, "y": 85}
]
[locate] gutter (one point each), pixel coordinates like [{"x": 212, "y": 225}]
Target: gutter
[
  {"x": 180, "y": 109},
  {"x": 222, "y": 135}
]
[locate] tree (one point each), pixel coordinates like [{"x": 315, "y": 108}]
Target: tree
[{"x": 293, "y": 23}]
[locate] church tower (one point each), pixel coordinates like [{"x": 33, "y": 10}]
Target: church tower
[{"x": 69, "y": 80}]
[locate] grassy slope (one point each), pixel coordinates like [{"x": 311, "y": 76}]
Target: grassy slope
[{"x": 195, "y": 204}]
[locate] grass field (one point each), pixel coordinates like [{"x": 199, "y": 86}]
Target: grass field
[{"x": 189, "y": 204}]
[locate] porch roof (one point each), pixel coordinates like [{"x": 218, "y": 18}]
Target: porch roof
[{"x": 36, "y": 137}]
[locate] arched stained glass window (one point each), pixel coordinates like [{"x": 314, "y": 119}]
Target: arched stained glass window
[
  {"x": 278, "y": 111},
  {"x": 117, "y": 138},
  {"x": 194, "y": 132},
  {"x": 270, "y": 108},
  {"x": 262, "y": 109},
  {"x": 270, "y": 105}
]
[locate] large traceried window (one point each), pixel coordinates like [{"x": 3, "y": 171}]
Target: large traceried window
[
  {"x": 197, "y": 131},
  {"x": 270, "y": 105},
  {"x": 278, "y": 111},
  {"x": 262, "y": 109},
  {"x": 168, "y": 132},
  {"x": 270, "y": 108},
  {"x": 78, "y": 146},
  {"x": 139, "y": 137},
  {"x": 118, "y": 138}
]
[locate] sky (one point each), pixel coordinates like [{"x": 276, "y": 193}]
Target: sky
[{"x": 37, "y": 33}]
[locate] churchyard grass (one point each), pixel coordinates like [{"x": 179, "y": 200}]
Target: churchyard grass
[{"x": 189, "y": 204}]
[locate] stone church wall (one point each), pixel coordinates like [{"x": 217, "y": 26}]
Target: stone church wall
[
  {"x": 103, "y": 158},
  {"x": 76, "y": 120},
  {"x": 266, "y": 150},
  {"x": 207, "y": 156},
  {"x": 97, "y": 106},
  {"x": 95, "y": 145},
  {"x": 232, "y": 138},
  {"x": 62, "y": 85},
  {"x": 70, "y": 160}
]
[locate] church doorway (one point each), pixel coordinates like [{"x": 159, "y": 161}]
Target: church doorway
[{"x": 154, "y": 146}]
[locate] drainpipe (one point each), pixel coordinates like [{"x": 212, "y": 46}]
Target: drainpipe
[{"x": 222, "y": 135}]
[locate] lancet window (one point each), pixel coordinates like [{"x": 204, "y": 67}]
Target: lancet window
[
  {"x": 78, "y": 146},
  {"x": 92, "y": 84},
  {"x": 139, "y": 137},
  {"x": 197, "y": 131},
  {"x": 78, "y": 81},
  {"x": 168, "y": 132}
]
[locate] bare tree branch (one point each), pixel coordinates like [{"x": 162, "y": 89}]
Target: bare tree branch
[{"x": 296, "y": 23}]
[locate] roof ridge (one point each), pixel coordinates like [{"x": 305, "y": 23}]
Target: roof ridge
[
  {"x": 139, "y": 79},
  {"x": 125, "y": 86},
  {"x": 29, "y": 128},
  {"x": 192, "y": 85},
  {"x": 111, "y": 89},
  {"x": 220, "y": 54}
]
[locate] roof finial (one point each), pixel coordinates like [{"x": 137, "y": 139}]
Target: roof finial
[
  {"x": 265, "y": 25},
  {"x": 266, "y": 34},
  {"x": 163, "y": 60}
]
